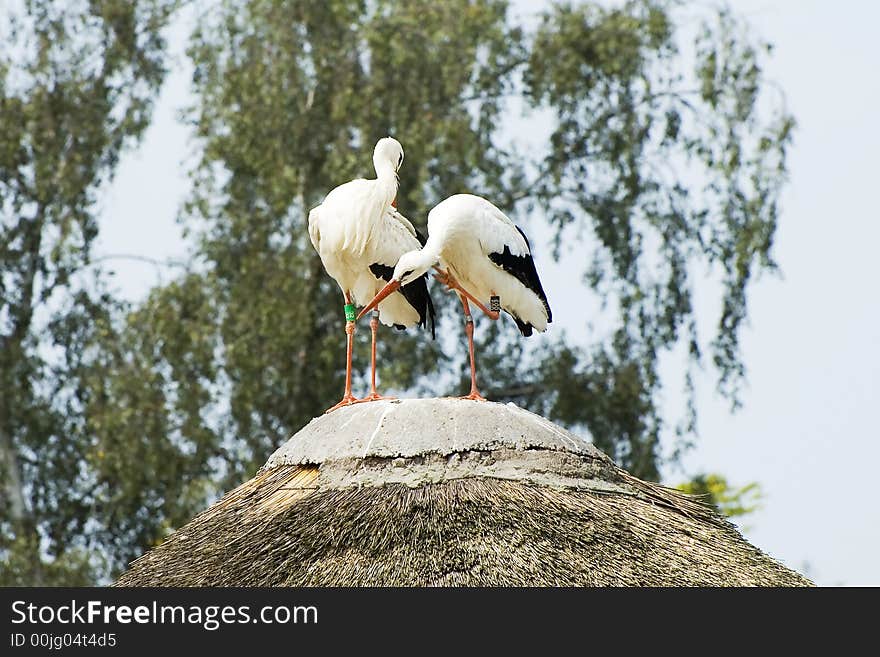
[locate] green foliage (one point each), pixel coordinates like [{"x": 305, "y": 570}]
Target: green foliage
[
  {"x": 730, "y": 501},
  {"x": 291, "y": 97},
  {"x": 77, "y": 82},
  {"x": 661, "y": 174},
  {"x": 72, "y": 567}
]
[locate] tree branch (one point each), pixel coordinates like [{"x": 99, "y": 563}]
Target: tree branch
[{"x": 139, "y": 258}]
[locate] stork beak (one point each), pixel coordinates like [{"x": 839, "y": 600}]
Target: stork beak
[{"x": 393, "y": 286}]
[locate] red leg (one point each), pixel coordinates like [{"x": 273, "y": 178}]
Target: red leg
[
  {"x": 347, "y": 397},
  {"x": 469, "y": 330},
  {"x": 449, "y": 281},
  {"x": 374, "y": 396}
]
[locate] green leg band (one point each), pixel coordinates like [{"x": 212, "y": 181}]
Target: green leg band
[{"x": 350, "y": 314}]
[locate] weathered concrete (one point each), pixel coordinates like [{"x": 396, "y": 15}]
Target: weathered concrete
[
  {"x": 413, "y": 427},
  {"x": 419, "y": 441}
]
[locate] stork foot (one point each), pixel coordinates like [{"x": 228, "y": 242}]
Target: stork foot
[
  {"x": 374, "y": 396},
  {"x": 347, "y": 400},
  {"x": 474, "y": 395}
]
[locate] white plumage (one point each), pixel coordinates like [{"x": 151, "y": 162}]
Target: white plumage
[
  {"x": 488, "y": 256},
  {"x": 356, "y": 227},
  {"x": 347, "y": 254},
  {"x": 359, "y": 236},
  {"x": 466, "y": 231},
  {"x": 486, "y": 259}
]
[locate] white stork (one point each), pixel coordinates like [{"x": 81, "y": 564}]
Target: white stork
[
  {"x": 360, "y": 236},
  {"x": 484, "y": 257}
]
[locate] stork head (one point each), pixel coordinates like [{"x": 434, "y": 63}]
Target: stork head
[
  {"x": 388, "y": 152},
  {"x": 409, "y": 267}
]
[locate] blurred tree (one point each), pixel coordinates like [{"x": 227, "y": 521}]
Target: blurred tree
[
  {"x": 660, "y": 173},
  {"x": 291, "y": 98},
  {"x": 657, "y": 172},
  {"x": 664, "y": 175},
  {"x": 77, "y": 81},
  {"x": 730, "y": 501}
]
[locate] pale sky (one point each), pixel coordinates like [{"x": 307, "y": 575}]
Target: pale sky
[{"x": 808, "y": 429}]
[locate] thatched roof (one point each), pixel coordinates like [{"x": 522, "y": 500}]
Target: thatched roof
[{"x": 451, "y": 492}]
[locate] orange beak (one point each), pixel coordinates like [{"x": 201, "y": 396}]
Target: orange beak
[{"x": 393, "y": 286}]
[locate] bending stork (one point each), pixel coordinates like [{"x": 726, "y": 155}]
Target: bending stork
[
  {"x": 484, "y": 257},
  {"x": 360, "y": 236}
]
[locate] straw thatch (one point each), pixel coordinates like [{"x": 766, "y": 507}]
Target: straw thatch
[{"x": 449, "y": 492}]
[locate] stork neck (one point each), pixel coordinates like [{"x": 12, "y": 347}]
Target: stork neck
[
  {"x": 432, "y": 248},
  {"x": 387, "y": 182}
]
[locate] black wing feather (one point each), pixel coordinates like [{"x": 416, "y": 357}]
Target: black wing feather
[
  {"x": 382, "y": 271},
  {"x": 522, "y": 268},
  {"x": 415, "y": 292}
]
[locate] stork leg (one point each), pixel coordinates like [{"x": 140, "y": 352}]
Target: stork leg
[
  {"x": 469, "y": 330},
  {"x": 374, "y": 396},
  {"x": 447, "y": 279},
  {"x": 347, "y": 397}
]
